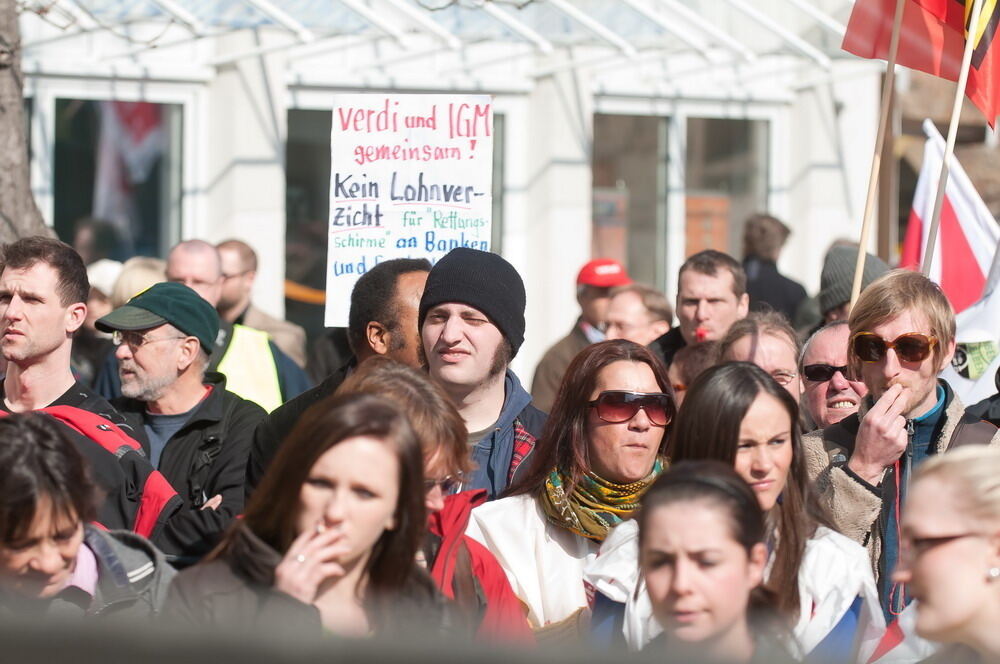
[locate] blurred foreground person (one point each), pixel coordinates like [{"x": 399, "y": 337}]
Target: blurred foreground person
[
  {"x": 828, "y": 394},
  {"x": 950, "y": 557},
  {"x": 330, "y": 539},
  {"x": 593, "y": 284},
  {"x": 601, "y": 451},
  {"x": 822, "y": 582},
  {"x": 463, "y": 569},
  {"x": 703, "y": 554},
  {"x": 53, "y": 563}
]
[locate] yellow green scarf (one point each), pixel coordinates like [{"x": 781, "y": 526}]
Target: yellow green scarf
[{"x": 596, "y": 505}]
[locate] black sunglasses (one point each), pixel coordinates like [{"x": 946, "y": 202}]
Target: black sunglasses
[
  {"x": 820, "y": 373},
  {"x": 617, "y": 406},
  {"x": 449, "y": 484}
]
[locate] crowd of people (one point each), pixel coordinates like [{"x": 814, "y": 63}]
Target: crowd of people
[{"x": 774, "y": 478}]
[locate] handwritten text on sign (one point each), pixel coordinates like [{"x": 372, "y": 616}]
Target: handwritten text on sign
[{"x": 411, "y": 177}]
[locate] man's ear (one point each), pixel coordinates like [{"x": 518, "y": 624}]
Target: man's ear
[
  {"x": 76, "y": 313},
  {"x": 660, "y": 327},
  {"x": 189, "y": 353},
  {"x": 377, "y": 336},
  {"x": 744, "y": 305},
  {"x": 947, "y": 352}
]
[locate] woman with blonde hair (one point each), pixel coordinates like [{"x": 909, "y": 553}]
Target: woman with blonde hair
[{"x": 950, "y": 560}]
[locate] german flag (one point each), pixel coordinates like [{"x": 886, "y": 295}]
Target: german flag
[{"x": 932, "y": 40}]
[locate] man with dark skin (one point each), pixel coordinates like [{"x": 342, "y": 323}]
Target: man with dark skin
[{"x": 382, "y": 321}]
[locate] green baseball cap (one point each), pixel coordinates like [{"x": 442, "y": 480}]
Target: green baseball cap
[{"x": 166, "y": 302}]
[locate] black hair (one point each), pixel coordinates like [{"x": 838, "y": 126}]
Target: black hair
[
  {"x": 710, "y": 261},
  {"x": 374, "y": 297},
  {"x": 38, "y": 462}
]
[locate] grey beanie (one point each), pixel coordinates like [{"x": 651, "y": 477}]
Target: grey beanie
[{"x": 838, "y": 276}]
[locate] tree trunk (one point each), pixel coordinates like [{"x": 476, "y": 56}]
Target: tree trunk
[{"x": 19, "y": 216}]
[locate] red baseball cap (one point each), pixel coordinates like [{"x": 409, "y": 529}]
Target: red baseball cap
[{"x": 603, "y": 273}]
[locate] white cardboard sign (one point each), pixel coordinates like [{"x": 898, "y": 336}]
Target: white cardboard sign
[{"x": 410, "y": 177}]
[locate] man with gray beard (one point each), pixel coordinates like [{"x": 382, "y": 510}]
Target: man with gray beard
[{"x": 196, "y": 433}]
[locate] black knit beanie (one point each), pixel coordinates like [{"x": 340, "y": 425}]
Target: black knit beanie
[{"x": 483, "y": 281}]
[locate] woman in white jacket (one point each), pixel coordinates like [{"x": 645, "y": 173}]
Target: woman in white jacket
[{"x": 736, "y": 413}]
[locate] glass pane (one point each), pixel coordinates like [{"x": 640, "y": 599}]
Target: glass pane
[
  {"x": 726, "y": 181},
  {"x": 629, "y": 206},
  {"x": 118, "y": 173}
]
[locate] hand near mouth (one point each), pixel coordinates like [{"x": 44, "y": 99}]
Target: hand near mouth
[{"x": 881, "y": 438}]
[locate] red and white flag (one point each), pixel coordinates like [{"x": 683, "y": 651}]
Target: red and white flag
[
  {"x": 968, "y": 233},
  {"x": 132, "y": 139}
]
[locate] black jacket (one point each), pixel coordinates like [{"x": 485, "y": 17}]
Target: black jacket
[
  {"x": 667, "y": 345},
  {"x": 989, "y": 408},
  {"x": 207, "y": 456},
  {"x": 769, "y": 288},
  {"x": 235, "y": 592},
  {"x": 274, "y": 428}
]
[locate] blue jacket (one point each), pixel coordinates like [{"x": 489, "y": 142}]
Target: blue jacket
[{"x": 494, "y": 455}]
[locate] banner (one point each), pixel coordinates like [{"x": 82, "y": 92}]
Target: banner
[{"x": 410, "y": 177}]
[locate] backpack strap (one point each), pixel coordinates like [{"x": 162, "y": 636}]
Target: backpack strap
[
  {"x": 99, "y": 429},
  {"x": 971, "y": 431}
]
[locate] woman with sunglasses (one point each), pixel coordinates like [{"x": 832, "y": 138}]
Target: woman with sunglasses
[
  {"x": 951, "y": 553},
  {"x": 599, "y": 452},
  {"x": 329, "y": 540},
  {"x": 737, "y": 414},
  {"x": 463, "y": 569}
]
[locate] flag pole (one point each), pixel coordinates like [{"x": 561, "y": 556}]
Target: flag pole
[
  {"x": 956, "y": 111},
  {"x": 883, "y": 124}
]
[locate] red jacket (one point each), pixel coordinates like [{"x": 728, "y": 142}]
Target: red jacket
[{"x": 503, "y": 616}]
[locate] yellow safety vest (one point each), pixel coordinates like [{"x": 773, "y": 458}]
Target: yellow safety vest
[{"x": 250, "y": 369}]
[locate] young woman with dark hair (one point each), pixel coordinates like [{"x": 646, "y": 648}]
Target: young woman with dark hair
[
  {"x": 463, "y": 569},
  {"x": 737, "y": 414},
  {"x": 703, "y": 555},
  {"x": 600, "y": 450},
  {"x": 330, "y": 536},
  {"x": 51, "y": 559}
]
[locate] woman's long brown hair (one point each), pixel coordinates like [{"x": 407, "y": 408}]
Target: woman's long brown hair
[
  {"x": 708, "y": 428},
  {"x": 272, "y": 510},
  {"x": 564, "y": 441}
]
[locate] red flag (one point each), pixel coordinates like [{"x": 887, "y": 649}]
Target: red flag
[
  {"x": 967, "y": 236},
  {"x": 932, "y": 40}
]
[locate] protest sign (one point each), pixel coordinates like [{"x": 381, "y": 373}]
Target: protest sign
[{"x": 410, "y": 177}]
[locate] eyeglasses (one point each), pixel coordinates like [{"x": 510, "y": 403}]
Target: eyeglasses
[
  {"x": 910, "y": 347},
  {"x": 449, "y": 484},
  {"x": 783, "y": 378},
  {"x": 914, "y": 547},
  {"x": 135, "y": 340},
  {"x": 617, "y": 406},
  {"x": 820, "y": 373}
]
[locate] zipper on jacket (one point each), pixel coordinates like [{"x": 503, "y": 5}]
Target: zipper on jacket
[{"x": 898, "y": 593}]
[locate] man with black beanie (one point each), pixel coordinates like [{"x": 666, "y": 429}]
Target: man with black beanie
[{"x": 472, "y": 325}]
